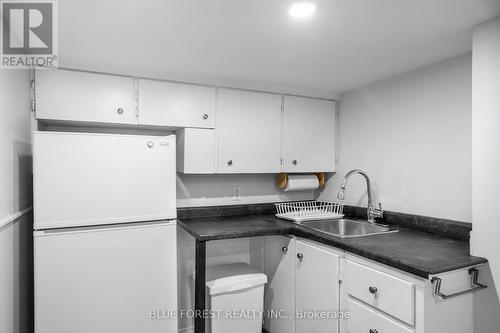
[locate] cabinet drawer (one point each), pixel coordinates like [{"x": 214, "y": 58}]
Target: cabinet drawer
[
  {"x": 382, "y": 291},
  {"x": 364, "y": 320}
]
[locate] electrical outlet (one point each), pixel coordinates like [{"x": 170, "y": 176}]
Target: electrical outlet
[{"x": 236, "y": 193}]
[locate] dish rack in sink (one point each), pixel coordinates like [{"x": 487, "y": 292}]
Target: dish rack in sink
[{"x": 301, "y": 211}]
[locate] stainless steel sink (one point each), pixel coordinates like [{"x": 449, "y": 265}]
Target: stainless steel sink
[{"x": 345, "y": 228}]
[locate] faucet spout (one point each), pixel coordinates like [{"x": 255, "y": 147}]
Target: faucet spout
[{"x": 372, "y": 212}]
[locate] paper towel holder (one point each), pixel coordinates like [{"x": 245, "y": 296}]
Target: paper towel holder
[{"x": 283, "y": 179}]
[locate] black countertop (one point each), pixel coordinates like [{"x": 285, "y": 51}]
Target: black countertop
[{"x": 417, "y": 252}]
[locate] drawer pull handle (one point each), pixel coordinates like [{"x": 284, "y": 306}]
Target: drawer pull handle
[
  {"x": 300, "y": 256},
  {"x": 294, "y": 162},
  {"x": 373, "y": 290},
  {"x": 119, "y": 110},
  {"x": 372, "y": 330},
  {"x": 230, "y": 162},
  {"x": 284, "y": 249},
  {"x": 205, "y": 116},
  {"x": 475, "y": 286}
]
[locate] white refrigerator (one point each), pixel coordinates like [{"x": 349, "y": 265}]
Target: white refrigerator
[{"x": 105, "y": 233}]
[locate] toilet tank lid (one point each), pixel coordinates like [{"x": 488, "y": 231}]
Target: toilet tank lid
[{"x": 233, "y": 277}]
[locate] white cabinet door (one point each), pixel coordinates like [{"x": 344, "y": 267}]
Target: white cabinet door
[
  {"x": 309, "y": 135},
  {"x": 176, "y": 105},
  {"x": 196, "y": 151},
  {"x": 249, "y": 132},
  {"x": 316, "y": 288},
  {"x": 279, "y": 291},
  {"x": 84, "y": 97},
  {"x": 107, "y": 279}
]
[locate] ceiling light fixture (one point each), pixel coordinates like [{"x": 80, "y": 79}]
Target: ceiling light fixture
[{"x": 302, "y": 10}]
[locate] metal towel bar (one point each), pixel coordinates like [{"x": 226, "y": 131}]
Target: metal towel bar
[{"x": 473, "y": 272}]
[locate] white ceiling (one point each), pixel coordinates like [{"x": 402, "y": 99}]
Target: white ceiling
[{"x": 255, "y": 44}]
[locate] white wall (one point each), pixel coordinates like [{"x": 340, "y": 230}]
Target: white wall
[
  {"x": 213, "y": 190},
  {"x": 411, "y": 134},
  {"x": 486, "y": 170},
  {"x": 15, "y": 194}
]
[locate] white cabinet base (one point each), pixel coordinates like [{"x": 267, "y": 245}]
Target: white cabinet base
[
  {"x": 431, "y": 313},
  {"x": 326, "y": 278}
]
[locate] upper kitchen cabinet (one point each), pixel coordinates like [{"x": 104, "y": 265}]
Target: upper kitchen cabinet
[
  {"x": 84, "y": 97},
  {"x": 196, "y": 151},
  {"x": 309, "y": 135},
  {"x": 176, "y": 105},
  {"x": 249, "y": 132}
]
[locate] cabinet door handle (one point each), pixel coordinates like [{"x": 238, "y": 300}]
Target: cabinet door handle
[
  {"x": 230, "y": 162},
  {"x": 373, "y": 290},
  {"x": 205, "y": 116},
  {"x": 373, "y": 330},
  {"x": 300, "y": 256},
  {"x": 294, "y": 162},
  {"x": 284, "y": 249},
  {"x": 119, "y": 110}
]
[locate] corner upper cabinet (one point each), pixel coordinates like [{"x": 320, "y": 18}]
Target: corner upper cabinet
[
  {"x": 176, "y": 105},
  {"x": 64, "y": 95},
  {"x": 196, "y": 151},
  {"x": 309, "y": 135},
  {"x": 249, "y": 132}
]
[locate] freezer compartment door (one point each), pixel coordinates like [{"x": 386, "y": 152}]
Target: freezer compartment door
[
  {"x": 106, "y": 280},
  {"x": 90, "y": 179}
]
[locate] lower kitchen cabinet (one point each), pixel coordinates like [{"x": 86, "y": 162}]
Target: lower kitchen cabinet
[
  {"x": 386, "y": 300},
  {"x": 302, "y": 285},
  {"x": 316, "y": 288},
  {"x": 307, "y": 279},
  {"x": 279, "y": 261}
]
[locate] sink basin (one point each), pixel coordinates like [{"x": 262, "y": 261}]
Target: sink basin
[{"x": 345, "y": 228}]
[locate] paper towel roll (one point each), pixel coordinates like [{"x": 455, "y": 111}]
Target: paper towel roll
[{"x": 301, "y": 183}]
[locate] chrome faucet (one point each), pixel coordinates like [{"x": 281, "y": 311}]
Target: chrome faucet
[{"x": 372, "y": 212}]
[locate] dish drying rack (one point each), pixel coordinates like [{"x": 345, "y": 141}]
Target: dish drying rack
[{"x": 301, "y": 211}]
